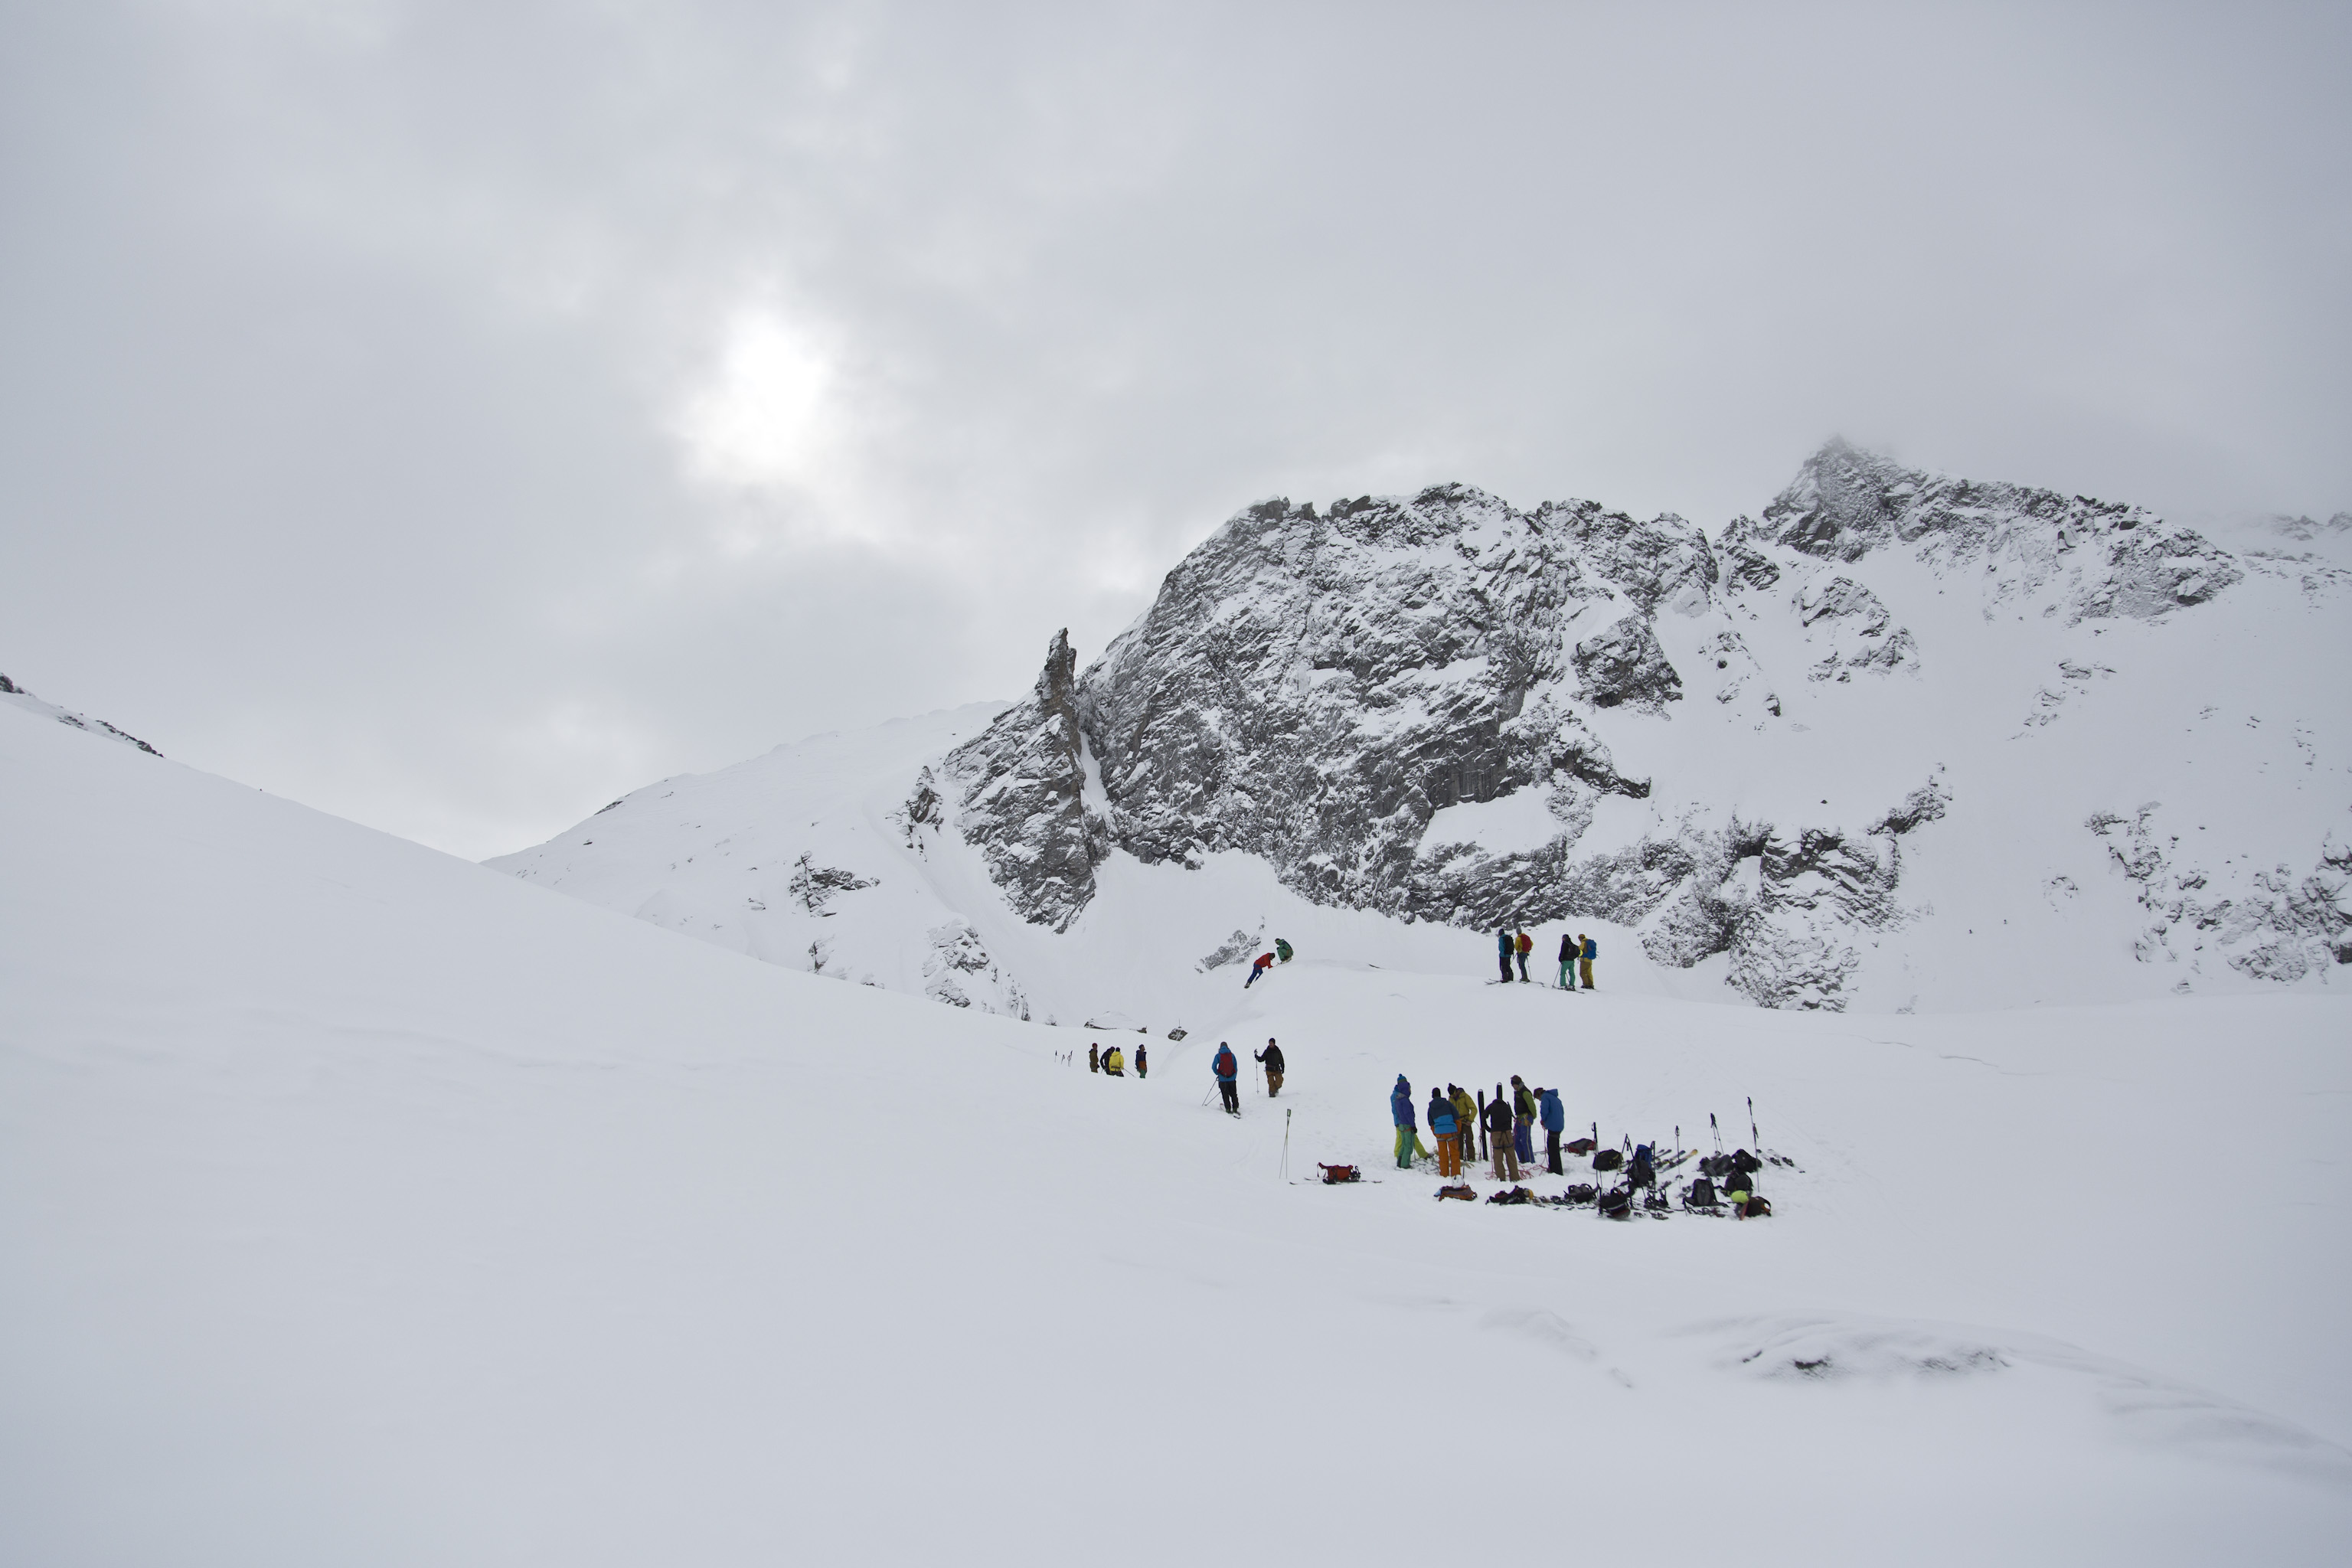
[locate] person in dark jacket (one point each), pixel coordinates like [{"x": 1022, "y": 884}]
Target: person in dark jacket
[
  {"x": 1114, "y": 1063},
  {"x": 1142, "y": 1067},
  {"x": 1272, "y": 1058},
  {"x": 1524, "y": 945},
  {"x": 1566, "y": 962},
  {"x": 1498, "y": 1137},
  {"x": 1585, "y": 955},
  {"x": 1503, "y": 945},
  {"x": 1449, "y": 1142},
  {"x": 1554, "y": 1118},
  {"x": 1226, "y": 1069},
  {"x": 1094, "y": 1056},
  {"x": 1523, "y": 1120}
]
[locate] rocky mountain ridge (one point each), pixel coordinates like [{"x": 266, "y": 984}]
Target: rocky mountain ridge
[
  {"x": 1322, "y": 688},
  {"x": 1896, "y": 739}
]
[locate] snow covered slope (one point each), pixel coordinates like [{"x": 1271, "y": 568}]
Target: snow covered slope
[
  {"x": 359, "y": 1206},
  {"x": 14, "y": 696},
  {"x": 1908, "y": 741}
]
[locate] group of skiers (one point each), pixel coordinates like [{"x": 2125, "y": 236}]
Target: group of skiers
[
  {"x": 1228, "y": 1071},
  {"x": 1576, "y": 955},
  {"x": 1265, "y": 961},
  {"x": 1114, "y": 1060},
  {"x": 1502, "y": 1128}
]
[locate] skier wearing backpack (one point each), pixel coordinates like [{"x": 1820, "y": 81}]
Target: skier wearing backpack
[
  {"x": 1591, "y": 951},
  {"x": 1282, "y": 951},
  {"x": 1226, "y": 1069},
  {"x": 1519, "y": 950},
  {"x": 1449, "y": 1142},
  {"x": 1566, "y": 958},
  {"x": 1523, "y": 1120},
  {"x": 1503, "y": 946},
  {"x": 1272, "y": 1058},
  {"x": 1554, "y": 1119},
  {"x": 1498, "y": 1136}
]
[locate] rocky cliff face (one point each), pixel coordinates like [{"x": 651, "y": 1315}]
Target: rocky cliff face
[
  {"x": 1419, "y": 706},
  {"x": 1020, "y": 787}
]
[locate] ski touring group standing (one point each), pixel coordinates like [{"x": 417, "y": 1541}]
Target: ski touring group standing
[{"x": 1577, "y": 952}]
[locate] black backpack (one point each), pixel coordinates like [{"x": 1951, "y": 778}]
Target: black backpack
[
  {"x": 1582, "y": 1192},
  {"x": 1743, "y": 1161},
  {"x": 1617, "y": 1202},
  {"x": 1609, "y": 1159},
  {"x": 1701, "y": 1194}
]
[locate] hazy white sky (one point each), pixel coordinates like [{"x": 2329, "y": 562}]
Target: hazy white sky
[{"x": 453, "y": 415}]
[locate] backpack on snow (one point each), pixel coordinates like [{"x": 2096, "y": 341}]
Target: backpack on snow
[
  {"x": 1582, "y": 1192},
  {"x": 1743, "y": 1161},
  {"x": 1755, "y": 1208},
  {"x": 1578, "y": 1146},
  {"x": 1515, "y": 1196},
  {"x": 1468, "y": 1195},
  {"x": 1334, "y": 1174},
  {"x": 1609, "y": 1159},
  {"x": 1617, "y": 1202},
  {"x": 1701, "y": 1194}
]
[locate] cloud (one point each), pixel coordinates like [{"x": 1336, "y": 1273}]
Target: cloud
[{"x": 399, "y": 393}]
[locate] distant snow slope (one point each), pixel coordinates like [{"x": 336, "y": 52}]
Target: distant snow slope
[
  {"x": 14, "y": 696},
  {"x": 1908, "y": 741},
  {"x": 358, "y": 1205}
]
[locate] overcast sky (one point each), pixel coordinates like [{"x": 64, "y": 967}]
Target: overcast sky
[{"x": 454, "y": 415}]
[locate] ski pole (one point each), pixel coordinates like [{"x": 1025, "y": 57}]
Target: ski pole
[
  {"x": 1752, "y": 1137},
  {"x": 1285, "y": 1141}
]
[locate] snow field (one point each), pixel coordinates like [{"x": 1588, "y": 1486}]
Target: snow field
[{"x": 359, "y": 1205}]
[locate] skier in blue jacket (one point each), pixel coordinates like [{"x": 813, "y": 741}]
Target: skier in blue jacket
[
  {"x": 1226, "y": 1069},
  {"x": 1408, "y": 1130},
  {"x": 1554, "y": 1119},
  {"x": 1446, "y": 1126},
  {"x": 1505, "y": 945}
]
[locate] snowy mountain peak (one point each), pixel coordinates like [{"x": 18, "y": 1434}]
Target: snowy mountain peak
[{"x": 1802, "y": 761}]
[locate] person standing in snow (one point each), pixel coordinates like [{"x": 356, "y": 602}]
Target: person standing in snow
[
  {"x": 1503, "y": 945},
  {"x": 1272, "y": 1058},
  {"x": 1525, "y": 945},
  {"x": 1554, "y": 1119},
  {"x": 1567, "y": 959},
  {"x": 1094, "y": 1058},
  {"x": 1498, "y": 1136},
  {"x": 1114, "y": 1063},
  {"x": 1408, "y": 1129},
  {"x": 1523, "y": 1120},
  {"x": 1264, "y": 962},
  {"x": 1227, "y": 1069},
  {"x": 1590, "y": 950},
  {"x": 1466, "y": 1120},
  {"x": 1449, "y": 1142},
  {"x": 1142, "y": 1064}
]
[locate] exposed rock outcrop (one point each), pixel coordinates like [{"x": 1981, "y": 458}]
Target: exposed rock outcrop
[
  {"x": 1022, "y": 798},
  {"x": 21, "y": 698}
]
